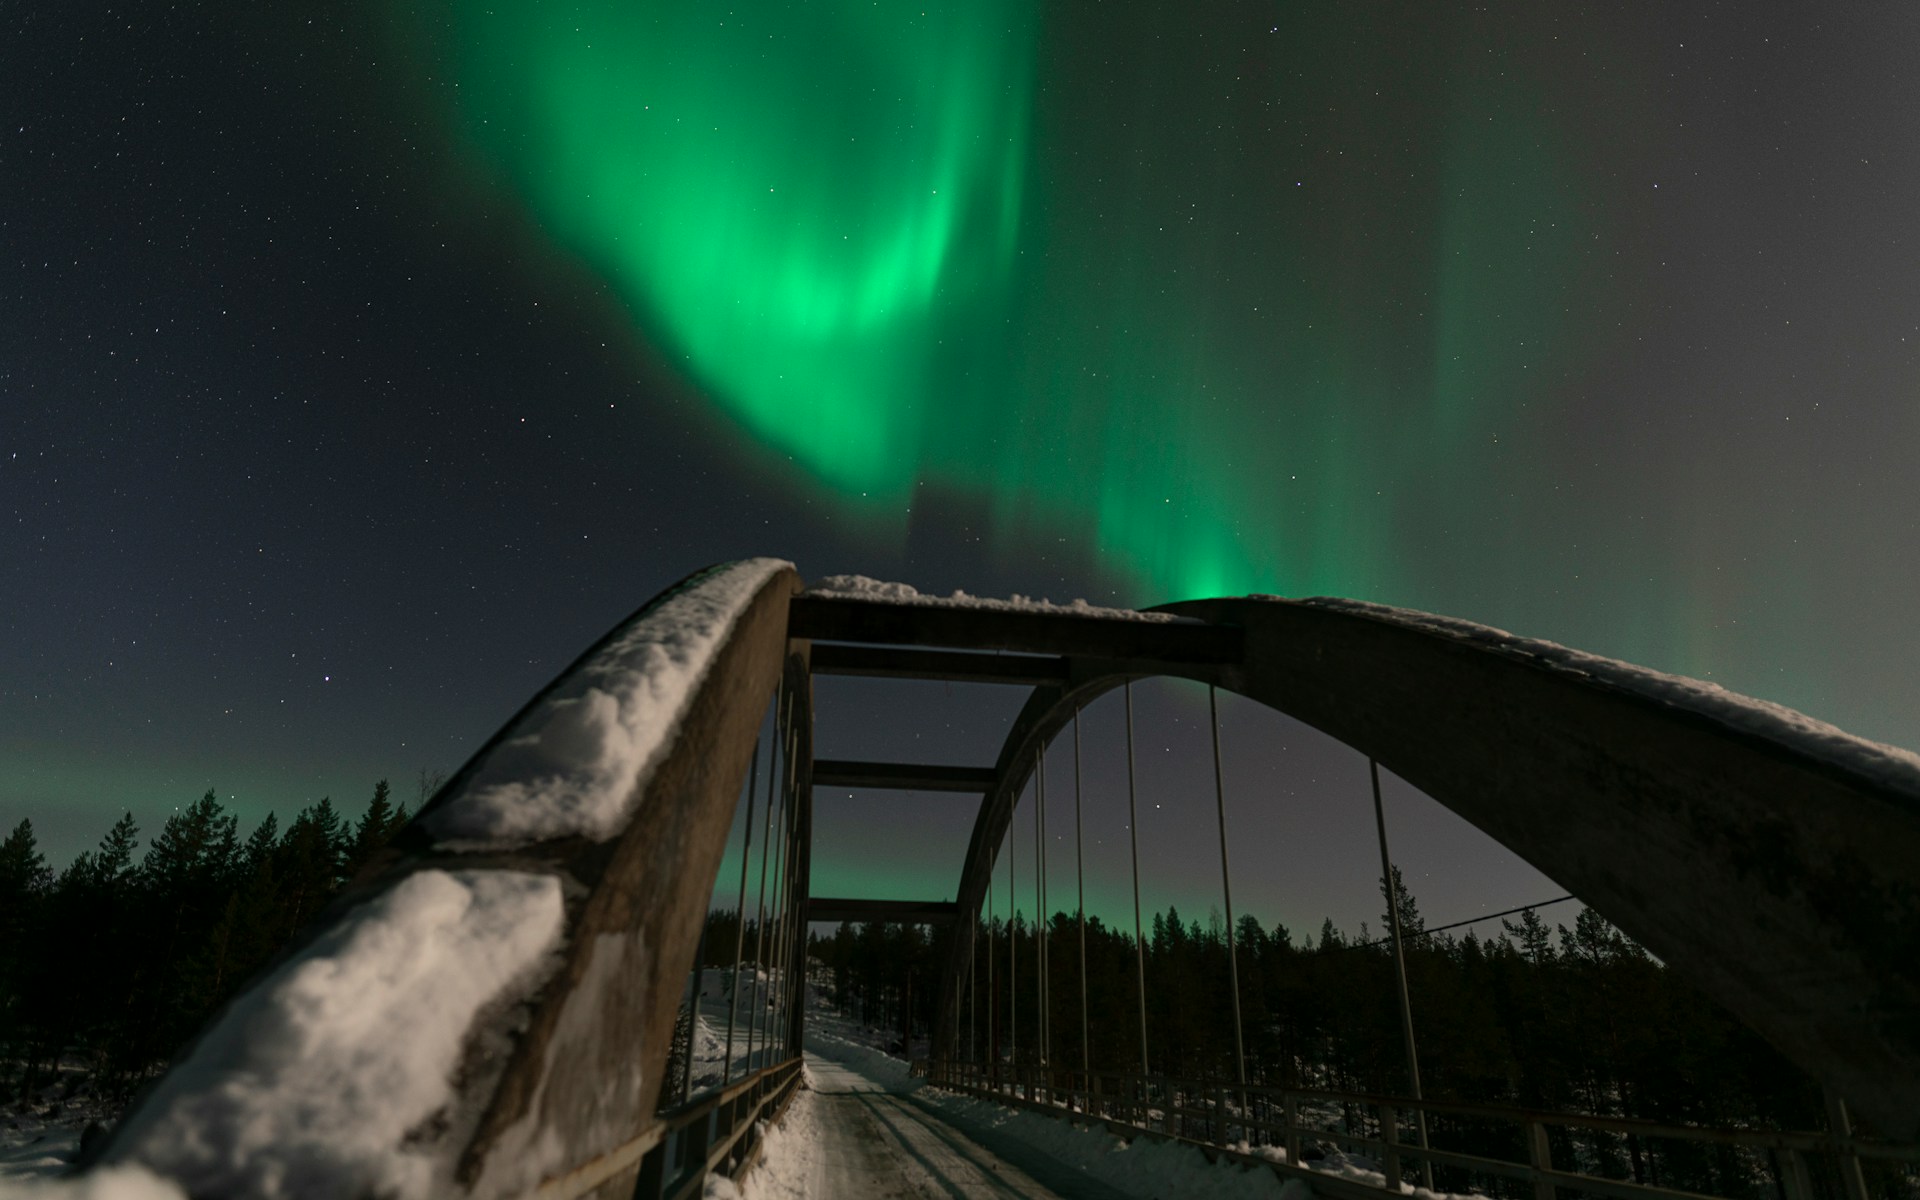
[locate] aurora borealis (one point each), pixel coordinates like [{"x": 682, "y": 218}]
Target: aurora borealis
[
  {"x": 360, "y": 365},
  {"x": 928, "y": 265}
]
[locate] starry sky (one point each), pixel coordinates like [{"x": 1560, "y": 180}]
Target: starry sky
[{"x": 362, "y": 361}]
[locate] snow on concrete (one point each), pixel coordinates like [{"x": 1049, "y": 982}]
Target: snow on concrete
[
  {"x": 1889, "y": 767},
  {"x": 318, "y": 1080},
  {"x": 116, "y": 1183},
  {"x": 859, "y": 587},
  {"x": 576, "y": 761}
]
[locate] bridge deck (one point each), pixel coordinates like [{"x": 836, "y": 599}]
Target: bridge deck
[{"x": 866, "y": 1141}]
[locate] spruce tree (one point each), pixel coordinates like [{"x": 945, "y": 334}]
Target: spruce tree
[
  {"x": 1412, "y": 924},
  {"x": 375, "y": 827},
  {"x": 24, "y": 883},
  {"x": 307, "y": 863}
]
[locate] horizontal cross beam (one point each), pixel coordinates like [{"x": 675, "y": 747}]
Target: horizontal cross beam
[
  {"x": 904, "y": 777},
  {"x": 899, "y": 912},
  {"x": 1029, "y": 631},
  {"x": 953, "y": 666}
]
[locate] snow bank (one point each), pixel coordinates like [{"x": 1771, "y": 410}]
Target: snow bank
[
  {"x": 859, "y": 587},
  {"x": 790, "y": 1158},
  {"x": 1887, "y": 766},
  {"x": 334, "y": 1075},
  {"x": 1141, "y": 1167},
  {"x": 577, "y": 760}
]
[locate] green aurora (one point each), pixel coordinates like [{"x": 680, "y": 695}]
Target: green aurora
[{"x": 1068, "y": 269}]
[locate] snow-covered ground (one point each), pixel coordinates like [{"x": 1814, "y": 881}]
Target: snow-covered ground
[
  {"x": 40, "y": 1133},
  {"x": 755, "y": 1038},
  {"x": 36, "y": 1150}
]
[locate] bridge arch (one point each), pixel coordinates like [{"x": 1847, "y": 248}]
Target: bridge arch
[
  {"x": 1729, "y": 838},
  {"x": 1772, "y": 860}
]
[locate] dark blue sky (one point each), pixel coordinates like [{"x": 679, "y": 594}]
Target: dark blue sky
[{"x": 317, "y": 456}]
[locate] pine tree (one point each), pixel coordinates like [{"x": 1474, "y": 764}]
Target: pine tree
[
  {"x": 1535, "y": 942},
  {"x": 194, "y": 855},
  {"x": 113, "y": 863}
]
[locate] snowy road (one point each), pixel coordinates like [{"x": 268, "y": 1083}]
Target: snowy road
[
  {"x": 874, "y": 1143},
  {"x": 864, "y": 1128}
]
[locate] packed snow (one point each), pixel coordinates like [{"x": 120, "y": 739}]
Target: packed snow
[
  {"x": 860, "y": 587},
  {"x": 1889, "y": 767},
  {"x": 792, "y": 1164},
  {"x": 577, "y": 760},
  {"x": 334, "y": 1075}
]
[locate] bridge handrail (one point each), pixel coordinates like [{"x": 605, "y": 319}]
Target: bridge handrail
[
  {"x": 1130, "y": 1105},
  {"x": 676, "y": 1154}
]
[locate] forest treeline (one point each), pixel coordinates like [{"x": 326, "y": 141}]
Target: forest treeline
[
  {"x": 119, "y": 958},
  {"x": 114, "y": 961}
]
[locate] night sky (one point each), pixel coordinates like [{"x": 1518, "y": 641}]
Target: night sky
[{"x": 359, "y": 364}]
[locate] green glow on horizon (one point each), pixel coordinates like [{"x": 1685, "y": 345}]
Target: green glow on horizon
[{"x": 858, "y": 231}]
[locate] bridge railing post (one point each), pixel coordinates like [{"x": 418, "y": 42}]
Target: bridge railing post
[
  {"x": 1290, "y": 1126},
  {"x": 1390, "y": 1145},
  {"x": 1540, "y": 1158},
  {"x": 1840, "y": 1133},
  {"x": 1795, "y": 1181}
]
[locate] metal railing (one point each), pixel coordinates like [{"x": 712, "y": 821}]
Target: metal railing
[
  {"x": 1279, "y": 1127},
  {"x": 717, "y": 1132}
]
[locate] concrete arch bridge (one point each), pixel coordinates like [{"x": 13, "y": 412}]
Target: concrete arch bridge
[{"x": 491, "y": 1008}]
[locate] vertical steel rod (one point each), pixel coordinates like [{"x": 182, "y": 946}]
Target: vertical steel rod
[
  {"x": 740, "y": 911},
  {"x": 993, "y": 997},
  {"x": 1226, "y": 892},
  {"x": 1013, "y": 958},
  {"x": 1400, "y": 970},
  {"x": 1225, "y": 888},
  {"x": 1133, "y": 832},
  {"x": 1080, "y": 897},
  {"x": 792, "y": 907},
  {"x": 776, "y": 918},
  {"x": 1041, "y": 1041},
  {"x": 770, "y": 870},
  {"x": 760, "y": 908},
  {"x": 973, "y": 987},
  {"x": 781, "y": 999},
  {"x": 693, "y": 1014}
]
